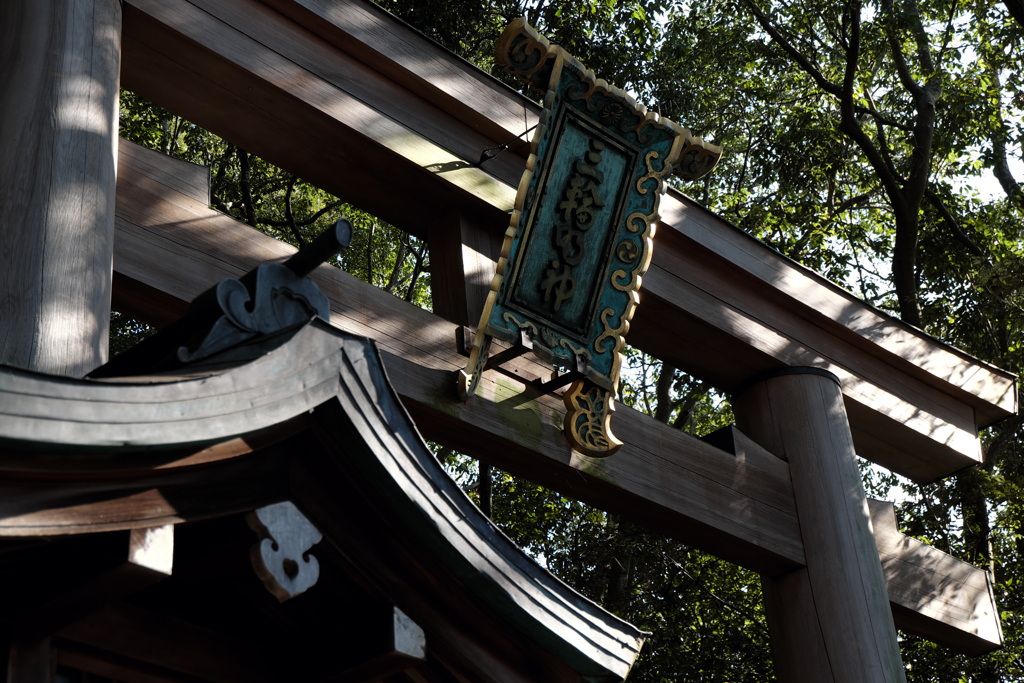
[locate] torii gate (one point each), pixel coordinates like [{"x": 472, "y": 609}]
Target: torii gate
[{"x": 382, "y": 107}]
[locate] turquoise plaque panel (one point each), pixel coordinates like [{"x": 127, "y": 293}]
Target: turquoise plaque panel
[
  {"x": 561, "y": 273},
  {"x": 585, "y": 230}
]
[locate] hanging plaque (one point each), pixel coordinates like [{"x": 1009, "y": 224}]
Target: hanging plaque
[{"x": 580, "y": 237}]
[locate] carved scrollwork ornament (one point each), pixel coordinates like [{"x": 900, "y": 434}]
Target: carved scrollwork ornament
[
  {"x": 281, "y": 559},
  {"x": 281, "y": 300},
  {"x": 588, "y": 415},
  {"x": 696, "y": 161},
  {"x": 628, "y": 252}
]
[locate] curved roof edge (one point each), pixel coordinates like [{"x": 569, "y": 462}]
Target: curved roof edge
[{"x": 55, "y": 427}]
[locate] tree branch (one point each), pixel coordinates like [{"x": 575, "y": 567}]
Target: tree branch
[
  {"x": 883, "y": 148},
  {"x": 245, "y": 182},
  {"x": 663, "y": 393},
  {"x": 393, "y": 279},
  {"x": 947, "y": 33},
  {"x": 851, "y": 126},
  {"x": 852, "y": 202},
  {"x": 485, "y": 488},
  {"x": 953, "y": 224},
  {"x": 911, "y": 86},
  {"x": 416, "y": 271},
  {"x": 815, "y": 40},
  {"x": 290, "y": 215},
  {"x": 905, "y": 198},
  {"x": 687, "y": 404},
  {"x": 879, "y": 117},
  {"x": 924, "y": 53},
  {"x": 305, "y": 221},
  {"x": 218, "y": 181},
  {"x": 717, "y": 598},
  {"x": 1000, "y": 167},
  {"x": 801, "y": 60},
  {"x": 924, "y": 133},
  {"x": 369, "y": 252}
]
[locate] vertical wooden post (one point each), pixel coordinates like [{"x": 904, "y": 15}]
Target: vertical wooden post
[
  {"x": 59, "y": 71},
  {"x": 831, "y": 620},
  {"x": 462, "y": 261},
  {"x": 463, "y": 257}
]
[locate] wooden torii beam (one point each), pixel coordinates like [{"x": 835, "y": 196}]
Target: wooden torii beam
[
  {"x": 345, "y": 96},
  {"x": 728, "y": 496}
]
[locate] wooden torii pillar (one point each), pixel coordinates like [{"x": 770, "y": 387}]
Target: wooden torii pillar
[
  {"x": 58, "y": 120},
  {"x": 829, "y": 621},
  {"x": 59, "y": 75}
]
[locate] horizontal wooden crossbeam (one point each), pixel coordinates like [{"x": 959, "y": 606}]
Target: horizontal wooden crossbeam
[
  {"x": 343, "y": 95},
  {"x": 924, "y": 582},
  {"x": 731, "y": 498}
]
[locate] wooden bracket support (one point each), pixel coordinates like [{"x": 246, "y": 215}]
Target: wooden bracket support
[
  {"x": 464, "y": 343},
  {"x": 523, "y": 345},
  {"x": 562, "y": 379},
  {"x": 394, "y": 643},
  {"x": 282, "y": 559}
]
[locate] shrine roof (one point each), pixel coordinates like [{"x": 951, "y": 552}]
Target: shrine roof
[{"x": 314, "y": 421}]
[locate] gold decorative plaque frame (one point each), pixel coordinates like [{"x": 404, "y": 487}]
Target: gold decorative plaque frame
[{"x": 580, "y": 235}]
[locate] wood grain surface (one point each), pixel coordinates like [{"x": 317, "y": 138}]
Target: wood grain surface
[
  {"x": 829, "y": 617},
  {"x": 58, "y": 121}
]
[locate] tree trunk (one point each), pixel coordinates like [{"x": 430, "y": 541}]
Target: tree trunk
[
  {"x": 485, "y": 489},
  {"x": 904, "y": 265},
  {"x": 1016, "y": 10}
]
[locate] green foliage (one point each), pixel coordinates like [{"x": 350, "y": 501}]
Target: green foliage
[
  {"x": 126, "y": 332},
  {"x": 616, "y": 39}
]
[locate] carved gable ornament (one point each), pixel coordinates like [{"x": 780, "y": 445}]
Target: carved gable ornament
[{"x": 580, "y": 237}]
